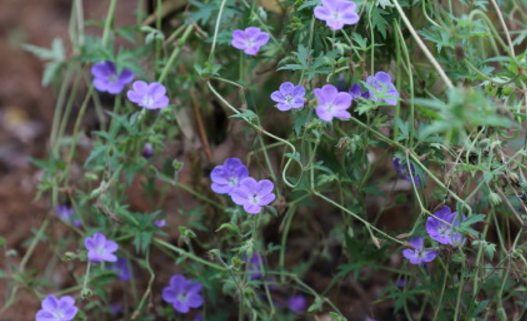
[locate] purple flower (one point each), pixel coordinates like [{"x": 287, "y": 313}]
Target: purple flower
[
  {"x": 100, "y": 249},
  {"x": 253, "y": 195},
  {"x": 419, "y": 255},
  {"x": 355, "y": 91},
  {"x": 226, "y": 177},
  {"x": 148, "y": 150},
  {"x": 331, "y": 103},
  {"x": 341, "y": 83},
  {"x": 249, "y": 40},
  {"x": 183, "y": 294},
  {"x": 443, "y": 233},
  {"x": 54, "y": 309},
  {"x": 402, "y": 169},
  {"x": 121, "y": 266},
  {"x": 384, "y": 88},
  {"x": 149, "y": 96},
  {"x": 108, "y": 80},
  {"x": 297, "y": 303},
  {"x": 337, "y": 13},
  {"x": 289, "y": 96},
  {"x": 116, "y": 309},
  {"x": 255, "y": 266},
  {"x": 67, "y": 215},
  {"x": 160, "y": 223}
]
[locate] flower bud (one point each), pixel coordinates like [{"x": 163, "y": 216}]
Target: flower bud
[
  {"x": 506, "y": 91},
  {"x": 148, "y": 150},
  {"x": 495, "y": 199},
  {"x": 514, "y": 178}
]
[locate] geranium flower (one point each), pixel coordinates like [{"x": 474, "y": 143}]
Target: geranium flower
[
  {"x": 100, "y": 249},
  {"x": 297, "y": 303},
  {"x": 67, "y": 214},
  {"x": 121, "y": 266},
  {"x": 149, "y": 96},
  {"x": 384, "y": 88},
  {"x": 108, "y": 80},
  {"x": 337, "y": 13},
  {"x": 443, "y": 233},
  {"x": 402, "y": 170},
  {"x": 183, "y": 294},
  {"x": 160, "y": 222},
  {"x": 54, "y": 309},
  {"x": 331, "y": 103},
  {"x": 226, "y": 177},
  {"x": 249, "y": 40},
  {"x": 289, "y": 96},
  {"x": 255, "y": 266},
  {"x": 253, "y": 195},
  {"x": 419, "y": 254}
]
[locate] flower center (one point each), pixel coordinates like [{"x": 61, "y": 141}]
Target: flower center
[
  {"x": 254, "y": 199},
  {"x": 336, "y": 15},
  {"x": 289, "y": 99},
  {"x": 249, "y": 42},
  {"x": 148, "y": 101},
  {"x": 233, "y": 181},
  {"x": 100, "y": 250},
  {"x": 59, "y": 314},
  {"x": 112, "y": 78},
  {"x": 443, "y": 231},
  {"x": 182, "y": 297},
  {"x": 330, "y": 108}
]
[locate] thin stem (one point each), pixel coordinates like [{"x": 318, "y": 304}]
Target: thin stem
[
  {"x": 189, "y": 255},
  {"x": 216, "y": 29},
  {"x": 108, "y": 23},
  {"x": 422, "y": 45},
  {"x": 175, "y": 53}
]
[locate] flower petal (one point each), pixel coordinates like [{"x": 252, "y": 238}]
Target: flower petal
[
  {"x": 239, "y": 195},
  {"x": 140, "y": 87},
  {"x": 323, "y": 114},
  {"x": 418, "y": 243},
  {"x": 50, "y": 303},
  {"x": 252, "y": 208},
  {"x": 264, "y": 187},
  {"x": 267, "y": 199},
  {"x": 249, "y": 184},
  {"x": 322, "y": 13}
]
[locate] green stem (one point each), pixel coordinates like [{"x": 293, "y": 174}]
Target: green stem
[
  {"x": 175, "y": 53},
  {"x": 189, "y": 255},
  {"x": 108, "y": 23}
]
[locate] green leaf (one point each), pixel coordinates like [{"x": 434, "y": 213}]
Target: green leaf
[
  {"x": 247, "y": 113},
  {"x": 378, "y": 20}
]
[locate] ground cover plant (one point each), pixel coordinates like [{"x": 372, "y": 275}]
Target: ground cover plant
[{"x": 284, "y": 160}]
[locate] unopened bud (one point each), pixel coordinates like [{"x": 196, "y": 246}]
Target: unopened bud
[
  {"x": 495, "y": 199},
  {"x": 148, "y": 150}
]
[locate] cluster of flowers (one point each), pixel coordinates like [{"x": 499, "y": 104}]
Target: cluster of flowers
[
  {"x": 232, "y": 178},
  {"x": 336, "y": 14},
  {"x": 334, "y": 104},
  {"x": 108, "y": 79},
  {"x": 181, "y": 293},
  {"x": 383, "y": 89},
  {"x": 439, "y": 231}
]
